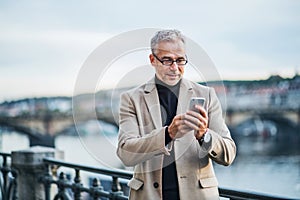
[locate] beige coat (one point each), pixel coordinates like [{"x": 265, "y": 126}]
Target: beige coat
[{"x": 142, "y": 144}]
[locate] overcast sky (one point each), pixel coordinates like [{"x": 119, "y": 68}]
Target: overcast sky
[{"x": 43, "y": 44}]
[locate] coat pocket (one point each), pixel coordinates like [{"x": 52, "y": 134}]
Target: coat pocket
[
  {"x": 135, "y": 183},
  {"x": 208, "y": 182}
]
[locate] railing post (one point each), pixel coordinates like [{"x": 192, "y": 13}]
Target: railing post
[
  {"x": 95, "y": 186},
  {"x": 62, "y": 193},
  {"x": 8, "y": 182},
  {"x": 77, "y": 184},
  {"x": 5, "y": 171},
  {"x": 47, "y": 182},
  {"x": 116, "y": 188},
  {"x": 30, "y": 167},
  {"x": 12, "y": 191}
]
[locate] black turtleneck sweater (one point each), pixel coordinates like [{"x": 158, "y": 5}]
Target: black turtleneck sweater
[{"x": 168, "y": 98}]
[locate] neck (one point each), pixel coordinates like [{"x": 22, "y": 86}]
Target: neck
[{"x": 160, "y": 82}]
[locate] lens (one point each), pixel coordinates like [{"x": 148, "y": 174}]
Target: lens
[
  {"x": 167, "y": 62},
  {"x": 181, "y": 62}
]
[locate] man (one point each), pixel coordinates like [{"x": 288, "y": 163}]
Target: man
[{"x": 170, "y": 146}]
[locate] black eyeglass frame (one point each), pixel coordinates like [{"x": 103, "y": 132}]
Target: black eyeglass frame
[{"x": 177, "y": 60}]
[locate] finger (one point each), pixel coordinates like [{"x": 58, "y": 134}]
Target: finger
[
  {"x": 202, "y": 111},
  {"x": 199, "y": 116},
  {"x": 184, "y": 128},
  {"x": 202, "y": 115},
  {"x": 193, "y": 125},
  {"x": 196, "y": 124},
  {"x": 193, "y": 113},
  {"x": 195, "y": 118}
]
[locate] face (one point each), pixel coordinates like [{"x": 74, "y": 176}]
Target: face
[{"x": 170, "y": 75}]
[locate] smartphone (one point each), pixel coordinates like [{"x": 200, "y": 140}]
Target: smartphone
[{"x": 196, "y": 101}]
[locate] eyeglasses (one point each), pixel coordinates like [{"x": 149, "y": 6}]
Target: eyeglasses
[{"x": 167, "y": 61}]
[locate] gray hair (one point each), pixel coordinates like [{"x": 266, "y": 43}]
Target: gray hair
[{"x": 166, "y": 35}]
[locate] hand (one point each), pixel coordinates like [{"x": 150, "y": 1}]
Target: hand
[
  {"x": 188, "y": 121},
  {"x": 198, "y": 121},
  {"x": 178, "y": 128}
]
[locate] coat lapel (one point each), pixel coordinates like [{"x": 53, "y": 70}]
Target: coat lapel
[
  {"x": 185, "y": 94},
  {"x": 152, "y": 101}
]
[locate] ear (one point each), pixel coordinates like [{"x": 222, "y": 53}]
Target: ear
[{"x": 152, "y": 59}]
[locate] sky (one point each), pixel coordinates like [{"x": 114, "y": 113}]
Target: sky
[{"x": 44, "y": 44}]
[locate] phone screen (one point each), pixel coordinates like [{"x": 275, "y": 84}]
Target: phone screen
[{"x": 196, "y": 101}]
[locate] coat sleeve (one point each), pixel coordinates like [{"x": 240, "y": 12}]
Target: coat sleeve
[
  {"x": 138, "y": 142},
  {"x": 223, "y": 148}
]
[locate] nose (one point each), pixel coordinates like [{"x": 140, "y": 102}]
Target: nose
[{"x": 174, "y": 66}]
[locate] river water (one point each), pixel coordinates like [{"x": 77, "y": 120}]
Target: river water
[{"x": 262, "y": 165}]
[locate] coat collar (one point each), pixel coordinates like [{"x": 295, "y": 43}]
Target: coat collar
[
  {"x": 150, "y": 85},
  {"x": 185, "y": 94},
  {"x": 152, "y": 100}
]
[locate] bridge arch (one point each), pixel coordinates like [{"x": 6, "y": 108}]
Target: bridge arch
[{"x": 265, "y": 124}]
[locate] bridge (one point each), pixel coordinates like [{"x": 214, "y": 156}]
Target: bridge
[
  {"x": 43, "y": 128},
  {"x": 45, "y": 118},
  {"x": 40, "y": 130}
]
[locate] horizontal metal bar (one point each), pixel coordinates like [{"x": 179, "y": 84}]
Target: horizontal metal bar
[
  {"x": 109, "y": 172},
  {"x": 243, "y": 195},
  {"x": 5, "y": 154}
]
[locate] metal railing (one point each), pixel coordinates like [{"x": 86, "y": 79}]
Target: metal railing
[
  {"x": 74, "y": 189},
  {"x": 117, "y": 192},
  {"x": 246, "y": 195},
  {"x": 95, "y": 191},
  {"x": 8, "y": 181}
]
